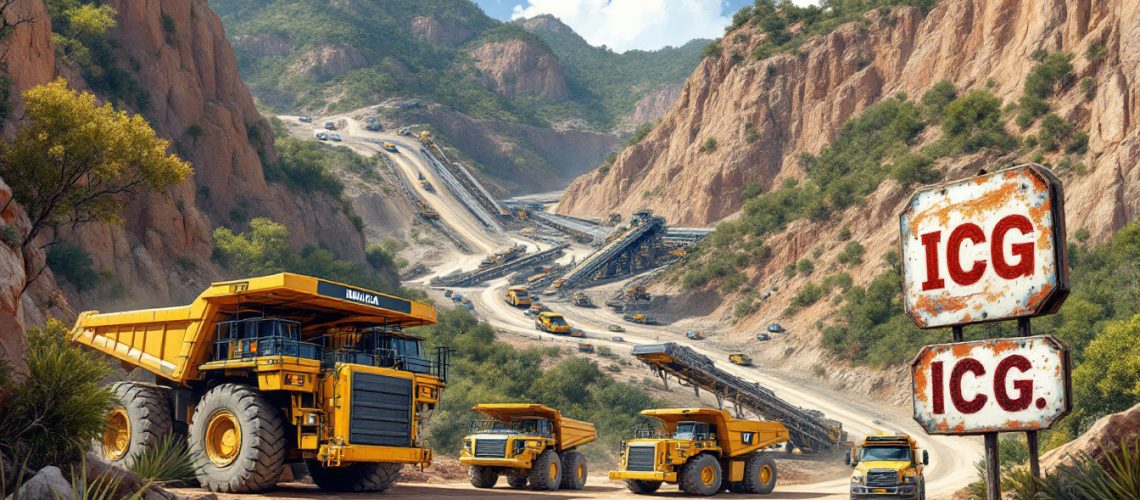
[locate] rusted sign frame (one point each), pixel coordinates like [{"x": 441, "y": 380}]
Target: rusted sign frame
[
  {"x": 1066, "y": 368},
  {"x": 1060, "y": 247}
]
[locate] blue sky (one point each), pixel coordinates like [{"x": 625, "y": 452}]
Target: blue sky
[{"x": 628, "y": 24}]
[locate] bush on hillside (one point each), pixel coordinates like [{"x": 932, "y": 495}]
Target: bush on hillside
[{"x": 74, "y": 264}]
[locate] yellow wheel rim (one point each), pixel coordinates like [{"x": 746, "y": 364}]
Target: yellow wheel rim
[
  {"x": 117, "y": 434},
  {"x": 553, "y": 469},
  {"x": 223, "y": 438},
  {"x": 765, "y": 474},
  {"x": 708, "y": 475},
  {"x": 581, "y": 471}
]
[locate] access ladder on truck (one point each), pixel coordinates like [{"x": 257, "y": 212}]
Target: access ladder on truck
[{"x": 808, "y": 429}]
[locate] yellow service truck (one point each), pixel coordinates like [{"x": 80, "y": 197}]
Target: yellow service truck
[
  {"x": 528, "y": 443},
  {"x": 888, "y": 465},
  {"x": 261, "y": 372},
  {"x": 703, "y": 450},
  {"x": 518, "y": 296}
]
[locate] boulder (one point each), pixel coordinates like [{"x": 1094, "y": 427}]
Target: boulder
[
  {"x": 1104, "y": 437},
  {"x": 47, "y": 483}
]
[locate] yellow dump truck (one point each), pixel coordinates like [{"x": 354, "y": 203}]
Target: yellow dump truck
[
  {"x": 262, "y": 372},
  {"x": 703, "y": 450},
  {"x": 528, "y": 443},
  {"x": 518, "y": 296},
  {"x": 888, "y": 465},
  {"x": 551, "y": 323}
]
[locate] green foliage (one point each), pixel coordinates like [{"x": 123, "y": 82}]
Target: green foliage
[
  {"x": 805, "y": 267},
  {"x": 872, "y": 328},
  {"x": 841, "y": 280},
  {"x": 74, "y": 264},
  {"x": 195, "y": 131},
  {"x": 73, "y": 161},
  {"x": 486, "y": 371},
  {"x": 844, "y": 234},
  {"x": 775, "y": 17},
  {"x": 709, "y": 145},
  {"x": 1096, "y": 52},
  {"x": 1054, "y": 73},
  {"x": 852, "y": 254},
  {"x": 1054, "y": 130},
  {"x": 1109, "y": 375},
  {"x": 169, "y": 462},
  {"x": 751, "y": 134},
  {"x": 79, "y": 30},
  {"x": 265, "y": 250},
  {"x": 1088, "y": 479},
  {"x": 935, "y": 100},
  {"x": 911, "y": 169},
  {"x": 971, "y": 123},
  {"x": 808, "y": 295},
  {"x": 713, "y": 49},
  {"x": 10, "y": 235},
  {"x": 1088, "y": 87},
  {"x": 58, "y": 409},
  {"x": 642, "y": 130},
  {"x": 308, "y": 166}
]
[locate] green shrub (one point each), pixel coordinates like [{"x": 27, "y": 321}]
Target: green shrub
[
  {"x": 169, "y": 462},
  {"x": 935, "y": 100},
  {"x": 805, "y": 267},
  {"x": 852, "y": 254},
  {"x": 808, "y": 295},
  {"x": 74, "y": 264},
  {"x": 1088, "y": 88},
  {"x": 713, "y": 49},
  {"x": 913, "y": 169},
  {"x": 1096, "y": 52},
  {"x": 709, "y": 145},
  {"x": 52, "y": 416},
  {"x": 789, "y": 270},
  {"x": 973, "y": 122},
  {"x": 844, "y": 234},
  {"x": 751, "y": 134},
  {"x": 1054, "y": 72},
  {"x": 1078, "y": 143},
  {"x": 1054, "y": 130},
  {"x": 10, "y": 235},
  {"x": 841, "y": 280}
]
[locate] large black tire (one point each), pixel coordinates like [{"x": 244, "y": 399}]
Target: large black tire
[
  {"x": 260, "y": 457},
  {"x": 483, "y": 477},
  {"x": 355, "y": 478},
  {"x": 545, "y": 472},
  {"x": 574, "y": 470},
  {"x": 516, "y": 481},
  {"x": 759, "y": 474},
  {"x": 701, "y": 476},
  {"x": 146, "y": 409},
  {"x": 639, "y": 487}
]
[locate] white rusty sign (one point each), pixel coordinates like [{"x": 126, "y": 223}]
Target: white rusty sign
[
  {"x": 985, "y": 248},
  {"x": 1002, "y": 385}
]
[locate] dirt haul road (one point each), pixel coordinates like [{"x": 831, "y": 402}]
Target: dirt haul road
[{"x": 951, "y": 458}]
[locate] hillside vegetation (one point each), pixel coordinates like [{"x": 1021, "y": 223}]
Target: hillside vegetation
[{"x": 298, "y": 54}]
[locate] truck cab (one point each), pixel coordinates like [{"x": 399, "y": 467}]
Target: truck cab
[
  {"x": 518, "y": 296},
  {"x": 702, "y": 450},
  {"x": 552, "y": 323},
  {"x": 530, "y": 444},
  {"x": 888, "y": 465}
]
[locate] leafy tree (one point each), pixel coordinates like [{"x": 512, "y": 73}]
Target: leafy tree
[
  {"x": 74, "y": 264},
  {"x": 852, "y": 253},
  {"x": 73, "y": 161},
  {"x": 973, "y": 122},
  {"x": 1109, "y": 375},
  {"x": 935, "y": 100}
]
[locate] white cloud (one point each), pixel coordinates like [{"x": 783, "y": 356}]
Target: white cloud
[{"x": 634, "y": 24}]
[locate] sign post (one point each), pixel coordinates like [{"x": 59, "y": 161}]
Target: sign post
[{"x": 984, "y": 249}]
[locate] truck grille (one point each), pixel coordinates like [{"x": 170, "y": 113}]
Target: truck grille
[
  {"x": 490, "y": 448},
  {"x": 882, "y": 477},
  {"x": 381, "y": 411},
  {"x": 641, "y": 458}
]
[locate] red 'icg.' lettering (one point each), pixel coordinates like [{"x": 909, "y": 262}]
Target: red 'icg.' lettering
[{"x": 970, "y": 231}]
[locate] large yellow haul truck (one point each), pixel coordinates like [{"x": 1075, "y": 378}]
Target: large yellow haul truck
[
  {"x": 278, "y": 369},
  {"x": 527, "y": 443},
  {"x": 703, "y": 450}
]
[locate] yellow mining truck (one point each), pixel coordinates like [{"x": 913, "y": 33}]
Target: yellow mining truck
[
  {"x": 551, "y": 323},
  {"x": 528, "y": 443},
  {"x": 261, "y": 372},
  {"x": 888, "y": 465},
  {"x": 517, "y": 296},
  {"x": 703, "y": 450}
]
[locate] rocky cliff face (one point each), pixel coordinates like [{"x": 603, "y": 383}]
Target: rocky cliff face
[
  {"x": 654, "y": 105},
  {"x": 441, "y": 32},
  {"x": 796, "y": 103},
  {"x": 161, "y": 253},
  {"x": 514, "y": 68}
]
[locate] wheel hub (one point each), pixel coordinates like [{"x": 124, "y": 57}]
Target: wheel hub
[
  {"x": 765, "y": 474},
  {"x": 708, "y": 475},
  {"x": 553, "y": 469},
  {"x": 223, "y": 438},
  {"x": 117, "y": 434}
]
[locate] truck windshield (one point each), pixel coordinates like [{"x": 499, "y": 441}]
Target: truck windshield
[
  {"x": 886, "y": 453},
  {"x": 692, "y": 431},
  {"x": 520, "y": 294},
  {"x": 557, "y": 320}
]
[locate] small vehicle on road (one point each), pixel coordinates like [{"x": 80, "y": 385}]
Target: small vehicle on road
[
  {"x": 517, "y": 296},
  {"x": 582, "y": 300},
  {"x": 577, "y": 332},
  {"x": 695, "y": 335},
  {"x": 334, "y": 137},
  {"x": 550, "y": 322},
  {"x": 617, "y": 338},
  {"x": 305, "y": 119},
  {"x": 321, "y": 135},
  {"x": 775, "y": 328},
  {"x": 616, "y": 328},
  {"x": 447, "y": 293},
  {"x": 763, "y": 337},
  {"x": 586, "y": 348},
  {"x": 740, "y": 359},
  {"x": 330, "y": 126},
  {"x": 389, "y": 147}
]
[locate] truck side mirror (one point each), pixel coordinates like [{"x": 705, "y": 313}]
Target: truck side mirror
[
  {"x": 925, "y": 457},
  {"x": 847, "y": 459}
]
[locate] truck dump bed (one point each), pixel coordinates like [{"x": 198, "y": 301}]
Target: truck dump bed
[
  {"x": 809, "y": 429},
  {"x": 571, "y": 433},
  {"x": 173, "y": 342}
]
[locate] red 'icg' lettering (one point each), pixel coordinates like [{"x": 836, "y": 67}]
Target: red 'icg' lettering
[
  {"x": 972, "y": 232},
  {"x": 1024, "y": 387}
]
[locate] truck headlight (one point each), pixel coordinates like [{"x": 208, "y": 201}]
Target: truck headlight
[
  {"x": 857, "y": 477},
  {"x": 467, "y": 443},
  {"x": 311, "y": 419},
  {"x": 910, "y": 479}
]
